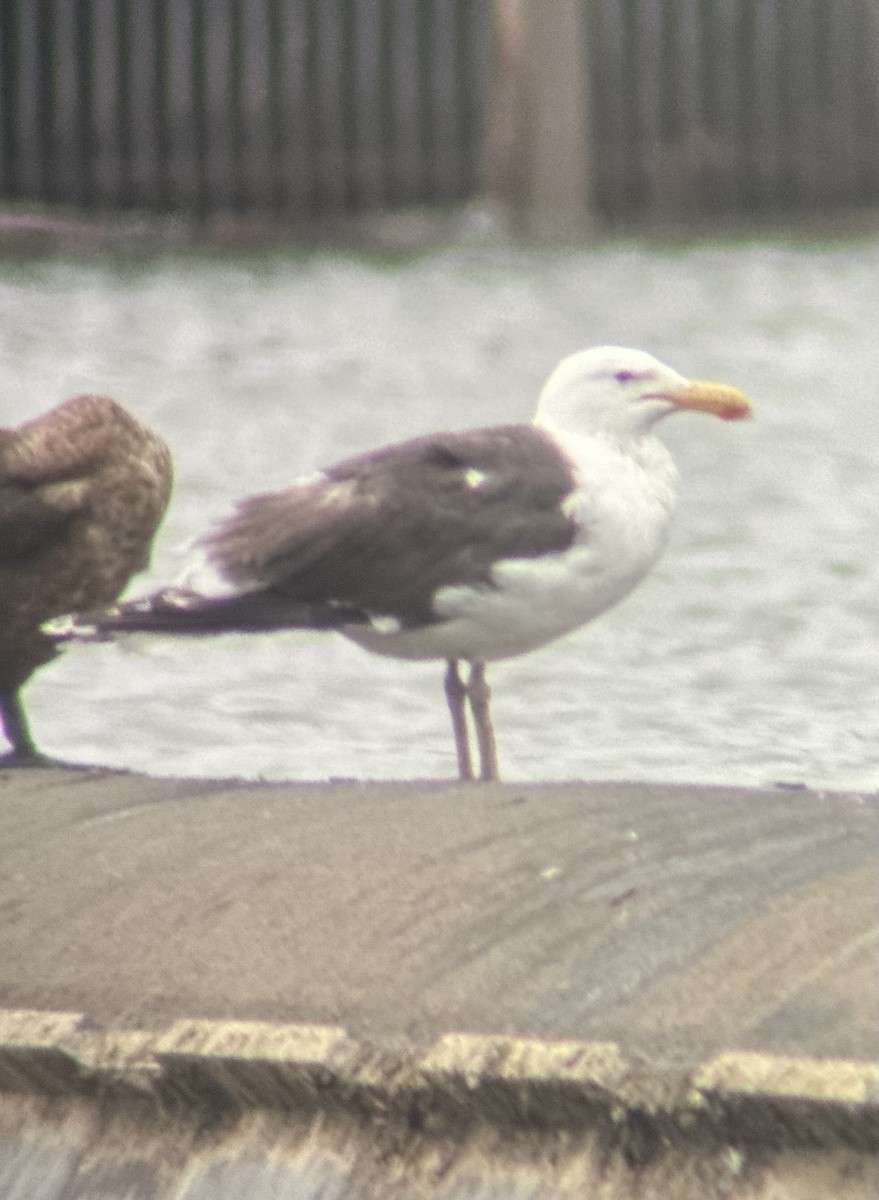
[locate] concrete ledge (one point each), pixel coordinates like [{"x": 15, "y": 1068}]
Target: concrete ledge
[
  {"x": 244, "y": 1064},
  {"x": 307, "y": 1104}
]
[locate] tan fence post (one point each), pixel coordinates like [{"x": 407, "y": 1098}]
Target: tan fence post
[{"x": 537, "y": 160}]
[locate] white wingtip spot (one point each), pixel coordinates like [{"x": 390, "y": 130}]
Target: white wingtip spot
[
  {"x": 68, "y": 627},
  {"x": 386, "y": 625},
  {"x": 339, "y": 494},
  {"x": 570, "y": 506}
]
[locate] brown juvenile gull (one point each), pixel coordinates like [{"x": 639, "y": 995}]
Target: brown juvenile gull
[
  {"x": 470, "y": 546},
  {"x": 82, "y": 491}
]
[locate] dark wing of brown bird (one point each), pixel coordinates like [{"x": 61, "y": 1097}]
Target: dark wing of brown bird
[
  {"x": 382, "y": 531},
  {"x": 82, "y": 491},
  {"x": 33, "y": 518}
]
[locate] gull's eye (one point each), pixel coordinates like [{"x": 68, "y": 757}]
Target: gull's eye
[{"x": 624, "y": 376}]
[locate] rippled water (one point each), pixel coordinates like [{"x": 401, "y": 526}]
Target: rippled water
[{"x": 750, "y": 654}]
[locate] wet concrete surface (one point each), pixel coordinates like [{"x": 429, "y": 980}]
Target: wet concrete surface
[
  {"x": 675, "y": 921},
  {"x": 211, "y": 989}
]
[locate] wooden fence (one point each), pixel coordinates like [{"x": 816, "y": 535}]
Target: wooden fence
[
  {"x": 307, "y": 107},
  {"x": 706, "y": 105},
  {"x": 291, "y": 106}
]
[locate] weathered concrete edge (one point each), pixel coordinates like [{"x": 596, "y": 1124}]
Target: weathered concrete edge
[{"x": 242, "y": 1065}]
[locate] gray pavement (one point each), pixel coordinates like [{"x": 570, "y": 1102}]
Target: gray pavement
[
  {"x": 678, "y": 922},
  {"x": 212, "y": 990}
]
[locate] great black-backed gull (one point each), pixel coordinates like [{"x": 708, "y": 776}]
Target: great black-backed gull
[
  {"x": 82, "y": 491},
  {"x": 473, "y": 546}
]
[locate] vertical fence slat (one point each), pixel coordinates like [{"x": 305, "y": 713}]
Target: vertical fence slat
[
  {"x": 61, "y": 136},
  {"x": 274, "y": 115},
  {"x": 865, "y": 92},
  {"x": 461, "y": 50},
  {"x": 790, "y": 118},
  {"x": 331, "y": 113},
  {"x": 66, "y": 161},
  {"x": 161, "y": 86},
  {"x": 843, "y": 47},
  {"x": 7, "y": 105},
  {"x": 296, "y": 166},
  {"x": 84, "y": 50},
  {"x": 105, "y": 85},
  {"x": 604, "y": 37},
  {"x": 648, "y": 96},
  {"x": 633, "y": 176},
  {"x": 183, "y": 163},
  {"x": 688, "y": 83},
  {"x": 256, "y": 160},
  {"x": 475, "y": 54},
  {"x": 726, "y": 104},
  {"x": 368, "y": 143},
  {"x": 143, "y": 102},
  {"x": 444, "y": 168},
  {"x": 406, "y": 100},
  {"x": 682, "y": 46},
  {"x": 47, "y": 94},
  {"x": 867, "y": 99},
  {"x": 801, "y": 87},
  {"x": 21, "y": 103},
  {"x": 473, "y": 58},
  {"x": 235, "y": 118},
  {"x": 216, "y": 53},
  {"x": 766, "y": 63}
]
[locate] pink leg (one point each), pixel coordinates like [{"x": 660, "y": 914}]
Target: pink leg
[
  {"x": 479, "y": 694},
  {"x": 456, "y": 695}
]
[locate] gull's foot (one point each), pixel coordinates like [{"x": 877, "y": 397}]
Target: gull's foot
[{"x": 35, "y": 759}]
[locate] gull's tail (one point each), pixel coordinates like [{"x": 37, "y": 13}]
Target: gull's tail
[{"x": 179, "y": 611}]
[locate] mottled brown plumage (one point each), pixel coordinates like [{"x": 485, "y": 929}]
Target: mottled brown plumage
[{"x": 82, "y": 491}]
